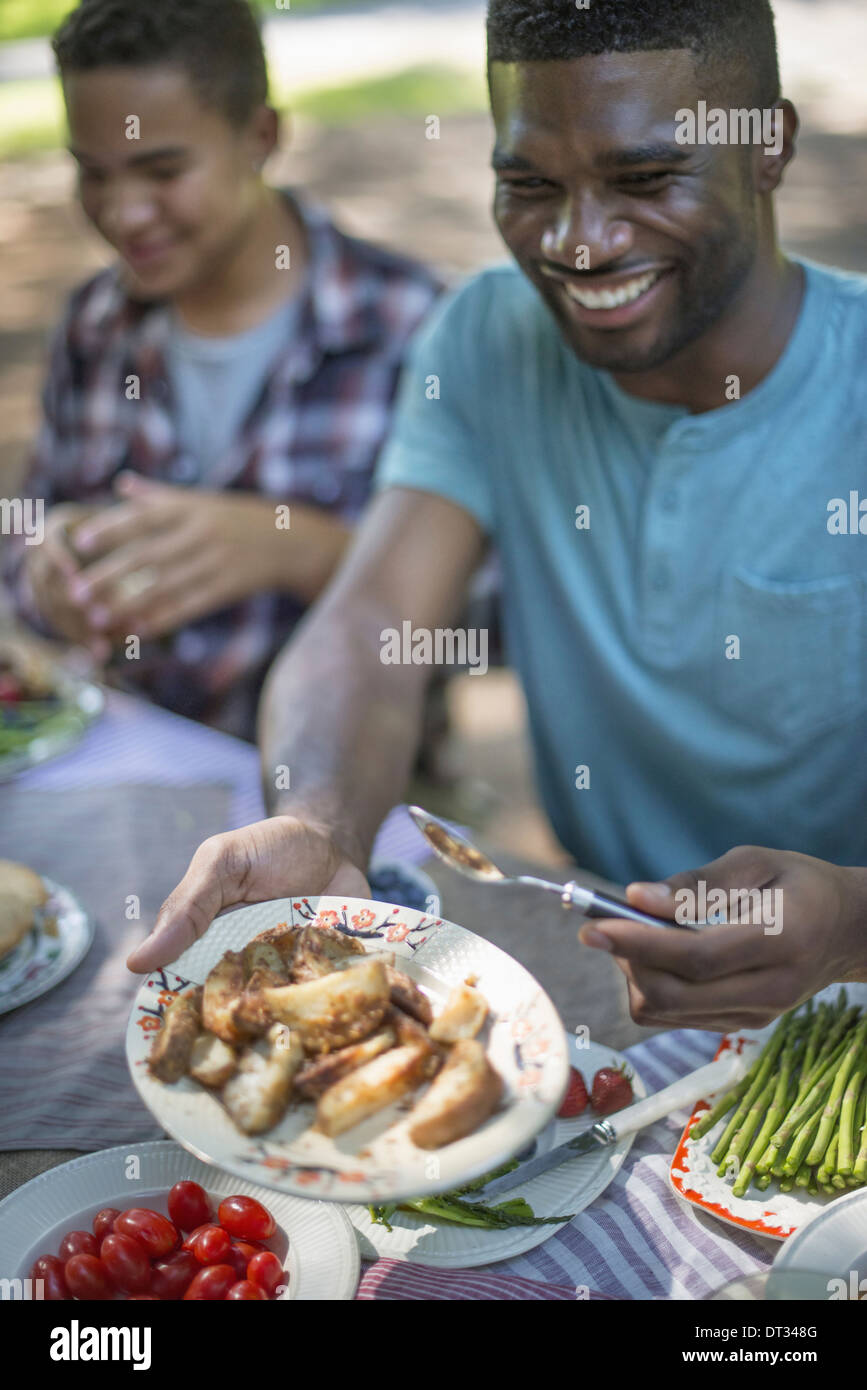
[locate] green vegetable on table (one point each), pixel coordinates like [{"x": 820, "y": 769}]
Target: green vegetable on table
[
  {"x": 451, "y": 1207},
  {"x": 800, "y": 1113}
]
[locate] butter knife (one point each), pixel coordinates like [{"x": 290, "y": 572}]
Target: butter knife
[{"x": 716, "y": 1076}]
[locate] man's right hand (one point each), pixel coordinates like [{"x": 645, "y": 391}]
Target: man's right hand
[{"x": 275, "y": 858}]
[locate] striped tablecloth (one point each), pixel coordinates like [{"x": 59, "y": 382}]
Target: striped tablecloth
[{"x": 636, "y": 1241}]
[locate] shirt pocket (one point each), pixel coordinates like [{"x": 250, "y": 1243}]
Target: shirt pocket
[{"x": 801, "y": 664}]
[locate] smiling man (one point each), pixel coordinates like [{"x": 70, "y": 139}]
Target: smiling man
[{"x": 649, "y": 415}]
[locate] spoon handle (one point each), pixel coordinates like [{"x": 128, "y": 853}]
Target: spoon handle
[{"x": 593, "y": 904}]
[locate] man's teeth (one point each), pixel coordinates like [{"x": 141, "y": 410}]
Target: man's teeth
[{"x": 613, "y": 299}]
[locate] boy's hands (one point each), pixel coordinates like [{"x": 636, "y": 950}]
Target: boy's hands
[
  {"x": 166, "y": 556},
  {"x": 51, "y": 568},
  {"x": 744, "y": 975},
  {"x": 274, "y": 858}
]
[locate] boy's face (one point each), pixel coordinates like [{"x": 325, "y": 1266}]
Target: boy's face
[
  {"x": 586, "y": 156},
  {"x": 174, "y": 202}
]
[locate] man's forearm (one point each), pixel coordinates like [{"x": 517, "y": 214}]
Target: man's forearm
[{"x": 340, "y": 727}]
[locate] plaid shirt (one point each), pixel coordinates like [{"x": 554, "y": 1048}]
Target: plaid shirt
[{"x": 312, "y": 437}]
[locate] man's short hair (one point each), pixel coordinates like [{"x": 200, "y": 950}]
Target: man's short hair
[
  {"x": 216, "y": 42},
  {"x": 727, "y": 37}
]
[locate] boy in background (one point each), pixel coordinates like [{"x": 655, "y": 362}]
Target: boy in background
[{"x": 215, "y": 402}]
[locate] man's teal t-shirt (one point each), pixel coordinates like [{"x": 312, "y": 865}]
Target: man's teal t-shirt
[{"x": 692, "y": 646}]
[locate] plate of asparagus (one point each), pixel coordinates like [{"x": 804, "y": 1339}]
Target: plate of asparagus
[{"x": 790, "y": 1137}]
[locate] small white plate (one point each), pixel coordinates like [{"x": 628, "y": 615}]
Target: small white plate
[
  {"x": 46, "y": 956},
  {"x": 81, "y": 702},
  {"x": 568, "y": 1189},
  {"x": 375, "y": 1161},
  {"x": 314, "y": 1239},
  {"x": 834, "y": 1242}
]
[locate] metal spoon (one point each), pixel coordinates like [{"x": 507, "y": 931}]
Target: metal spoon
[{"x": 458, "y": 852}]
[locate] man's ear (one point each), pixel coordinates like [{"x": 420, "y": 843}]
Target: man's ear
[{"x": 770, "y": 167}]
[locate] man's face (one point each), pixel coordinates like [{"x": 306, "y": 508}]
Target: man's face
[
  {"x": 175, "y": 202},
  {"x": 586, "y": 157}
]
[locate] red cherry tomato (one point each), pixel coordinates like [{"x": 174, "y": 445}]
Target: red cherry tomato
[
  {"x": 266, "y": 1272},
  {"x": 127, "y": 1263},
  {"x": 211, "y": 1284},
  {"x": 189, "y": 1242},
  {"x": 247, "y": 1218},
  {"x": 212, "y": 1246},
  {"x": 143, "y": 1298},
  {"x": 77, "y": 1243},
  {"x": 189, "y": 1206},
  {"x": 103, "y": 1222},
  {"x": 238, "y": 1260},
  {"x": 49, "y": 1269},
  {"x": 151, "y": 1229},
  {"x": 172, "y": 1276},
  {"x": 247, "y": 1291},
  {"x": 87, "y": 1278}
]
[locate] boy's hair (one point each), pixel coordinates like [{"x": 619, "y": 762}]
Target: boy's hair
[
  {"x": 733, "y": 38},
  {"x": 216, "y": 42}
]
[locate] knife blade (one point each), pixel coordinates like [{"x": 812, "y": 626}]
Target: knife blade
[{"x": 724, "y": 1072}]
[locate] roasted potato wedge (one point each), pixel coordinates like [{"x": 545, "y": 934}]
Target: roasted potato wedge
[
  {"x": 406, "y": 994},
  {"x": 223, "y": 989},
  {"x": 172, "y": 1047},
  {"x": 463, "y": 1016},
  {"x": 257, "y": 1095},
  {"x": 465, "y": 1093},
  {"x": 284, "y": 938},
  {"x": 339, "y": 1009},
  {"x": 321, "y": 1072},
  {"x": 212, "y": 1061},
  {"x": 322, "y": 950},
  {"x": 364, "y": 1092},
  {"x": 264, "y": 955}
]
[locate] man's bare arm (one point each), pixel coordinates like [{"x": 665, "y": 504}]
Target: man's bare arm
[{"x": 344, "y": 724}]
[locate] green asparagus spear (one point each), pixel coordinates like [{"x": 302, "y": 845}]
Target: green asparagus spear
[
  {"x": 803, "y": 1110},
  {"x": 723, "y": 1106},
  {"x": 767, "y": 1058},
  {"x": 828, "y": 1164},
  {"x": 801, "y": 1143},
  {"x": 850, "y": 1107},
  {"x": 833, "y": 1104},
  {"x": 860, "y": 1169},
  {"x": 772, "y": 1119}
]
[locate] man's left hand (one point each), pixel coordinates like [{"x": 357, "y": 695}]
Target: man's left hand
[{"x": 811, "y": 933}]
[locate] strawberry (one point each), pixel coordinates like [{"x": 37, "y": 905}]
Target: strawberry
[
  {"x": 576, "y": 1098},
  {"x": 612, "y": 1090}
]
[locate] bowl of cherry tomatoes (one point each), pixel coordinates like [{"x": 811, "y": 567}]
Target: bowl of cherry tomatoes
[
  {"x": 205, "y": 1238},
  {"x": 192, "y": 1251}
]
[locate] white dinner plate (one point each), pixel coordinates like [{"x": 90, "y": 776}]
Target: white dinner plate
[
  {"x": 49, "y": 952},
  {"x": 566, "y": 1190},
  {"x": 314, "y": 1239},
  {"x": 833, "y": 1242},
  {"x": 375, "y": 1161}
]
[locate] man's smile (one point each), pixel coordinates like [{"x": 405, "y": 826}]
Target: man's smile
[{"x": 613, "y": 301}]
